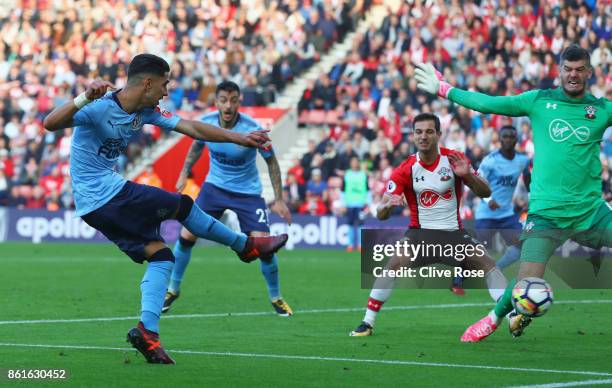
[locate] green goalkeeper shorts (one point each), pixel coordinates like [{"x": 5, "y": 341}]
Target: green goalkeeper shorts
[{"x": 541, "y": 236}]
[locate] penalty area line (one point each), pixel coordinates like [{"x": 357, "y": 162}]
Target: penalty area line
[
  {"x": 297, "y": 312},
  {"x": 566, "y": 384},
  {"x": 320, "y": 358}
]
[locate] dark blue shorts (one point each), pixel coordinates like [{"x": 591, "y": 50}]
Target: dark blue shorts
[
  {"x": 352, "y": 215},
  {"x": 509, "y": 228},
  {"x": 132, "y": 218},
  {"x": 251, "y": 209}
]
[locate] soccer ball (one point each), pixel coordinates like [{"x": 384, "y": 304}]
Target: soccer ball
[{"x": 532, "y": 297}]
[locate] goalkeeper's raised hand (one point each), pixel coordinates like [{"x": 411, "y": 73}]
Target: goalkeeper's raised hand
[{"x": 431, "y": 81}]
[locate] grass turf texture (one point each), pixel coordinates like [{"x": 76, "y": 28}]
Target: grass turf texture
[{"x": 53, "y": 281}]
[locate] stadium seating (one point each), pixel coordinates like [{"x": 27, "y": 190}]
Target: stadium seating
[{"x": 49, "y": 51}]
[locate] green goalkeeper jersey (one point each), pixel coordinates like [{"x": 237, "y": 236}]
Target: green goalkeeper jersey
[{"x": 566, "y": 178}]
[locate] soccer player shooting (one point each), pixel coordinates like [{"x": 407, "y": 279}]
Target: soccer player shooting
[
  {"x": 130, "y": 214},
  {"x": 566, "y": 190}
]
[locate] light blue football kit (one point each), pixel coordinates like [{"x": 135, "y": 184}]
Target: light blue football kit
[
  {"x": 127, "y": 213},
  {"x": 232, "y": 183},
  {"x": 503, "y": 175}
]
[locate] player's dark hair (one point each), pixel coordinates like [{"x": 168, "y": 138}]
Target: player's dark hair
[
  {"x": 147, "y": 64},
  {"x": 427, "y": 117},
  {"x": 227, "y": 86},
  {"x": 507, "y": 128},
  {"x": 575, "y": 53}
]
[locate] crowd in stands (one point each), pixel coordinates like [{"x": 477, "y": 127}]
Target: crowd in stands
[
  {"x": 367, "y": 102},
  {"x": 50, "y": 50}
]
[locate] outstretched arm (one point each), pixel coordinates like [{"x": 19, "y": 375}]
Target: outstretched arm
[
  {"x": 62, "y": 116},
  {"x": 195, "y": 151},
  {"x": 207, "y": 132},
  {"x": 431, "y": 81},
  {"x": 278, "y": 206},
  {"x": 503, "y": 105}
]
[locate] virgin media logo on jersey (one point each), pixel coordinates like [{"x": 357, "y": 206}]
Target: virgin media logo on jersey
[
  {"x": 429, "y": 198},
  {"x": 560, "y": 130}
]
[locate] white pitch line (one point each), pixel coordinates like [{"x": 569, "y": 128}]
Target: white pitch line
[
  {"x": 319, "y": 358},
  {"x": 263, "y": 313},
  {"x": 566, "y": 384}
]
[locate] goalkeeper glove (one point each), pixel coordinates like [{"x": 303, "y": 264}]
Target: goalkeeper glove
[{"x": 431, "y": 81}]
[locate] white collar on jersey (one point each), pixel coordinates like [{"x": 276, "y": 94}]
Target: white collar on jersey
[{"x": 418, "y": 156}]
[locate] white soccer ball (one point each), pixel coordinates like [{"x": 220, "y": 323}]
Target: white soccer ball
[{"x": 532, "y": 297}]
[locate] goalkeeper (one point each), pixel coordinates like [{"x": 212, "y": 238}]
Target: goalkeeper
[{"x": 566, "y": 191}]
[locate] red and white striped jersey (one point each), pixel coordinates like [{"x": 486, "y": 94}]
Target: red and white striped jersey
[{"x": 433, "y": 192}]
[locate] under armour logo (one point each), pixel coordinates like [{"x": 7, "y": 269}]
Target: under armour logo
[
  {"x": 419, "y": 178},
  {"x": 560, "y": 130},
  {"x": 551, "y": 106}
]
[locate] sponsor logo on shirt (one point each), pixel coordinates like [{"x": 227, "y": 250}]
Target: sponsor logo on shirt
[
  {"x": 429, "y": 198},
  {"x": 222, "y": 158},
  {"x": 560, "y": 130},
  {"x": 111, "y": 148}
]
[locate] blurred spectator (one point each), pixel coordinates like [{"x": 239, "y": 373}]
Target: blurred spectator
[
  {"x": 293, "y": 193},
  {"x": 4, "y": 189},
  {"x": 313, "y": 205},
  {"x": 37, "y": 198},
  {"x": 355, "y": 199},
  {"x": 316, "y": 185}
]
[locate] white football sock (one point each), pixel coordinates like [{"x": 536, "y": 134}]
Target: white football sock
[{"x": 496, "y": 282}]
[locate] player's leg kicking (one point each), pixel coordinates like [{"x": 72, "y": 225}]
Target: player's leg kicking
[
  {"x": 538, "y": 245},
  {"x": 131, "y": 220},
  {"x": 252, "y": 215}
]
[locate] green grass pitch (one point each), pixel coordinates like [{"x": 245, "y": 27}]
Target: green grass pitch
[{"x": 215, "y": 343}]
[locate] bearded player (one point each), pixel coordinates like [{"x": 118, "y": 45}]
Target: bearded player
[
  {"x": 566, "y": 191},
  {"x": 232, "y": 183}
]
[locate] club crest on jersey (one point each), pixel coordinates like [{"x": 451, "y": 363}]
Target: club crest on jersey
[
  {"x": 163, "y": 112},
  {"x": 391, "y": 186},
  {"x": 137, "y": 121},
  {"x": 445, "y": 174},
  {"x": 429, "y": 198},
  {"x": 590, "y": 112}
]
